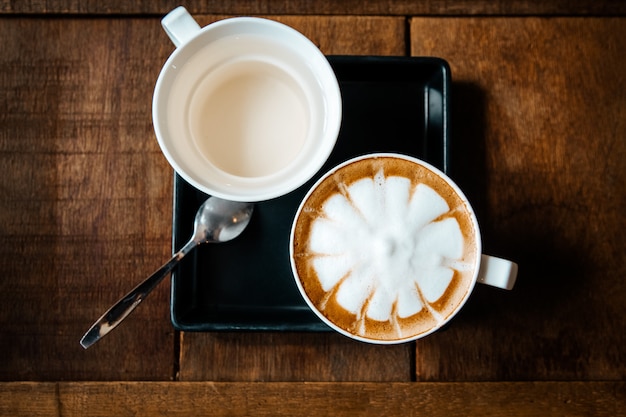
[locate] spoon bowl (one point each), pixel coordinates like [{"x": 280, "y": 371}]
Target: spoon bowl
[
  {"x": 220, "y": 220},
  {"x": 216, "y": 221}
]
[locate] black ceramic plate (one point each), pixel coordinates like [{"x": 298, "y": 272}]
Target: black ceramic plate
[{"x": 390, "y": 104}]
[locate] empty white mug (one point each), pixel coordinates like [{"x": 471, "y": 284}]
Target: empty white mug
[{"x": 245, "y": 109}]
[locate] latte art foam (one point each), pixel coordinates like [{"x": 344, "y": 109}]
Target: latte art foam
[{"x": 385, "y": 250}]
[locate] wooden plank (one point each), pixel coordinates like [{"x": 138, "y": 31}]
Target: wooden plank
[
  {"x": 327, "y": 7},
  {"x": 538, "y": 122},
  {"x": 312, "y": 357},
  {"x": 290, "y": 357},
  {"x": 510, "y": 399},
  {"x": 343, "y": 35},
  {"x": 85, "y": 197}
]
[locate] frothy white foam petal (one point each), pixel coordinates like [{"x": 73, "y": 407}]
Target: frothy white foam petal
[
  {"x": 326, "y": 238},
  {"x": 366, "y": 196},
  {"x": 380, "y": 305},
  {"x": 425, "y": 206},
  {"x": 434, "y": 281},
  {"x": 397, "y": 194},
  {"x": 408, "y": 302},
  {"x": 331, "y": 269},
  {"x": 337, "y": 208},
  {"x": 354, "y": 291},
  {"x": 441, "y": 239}
]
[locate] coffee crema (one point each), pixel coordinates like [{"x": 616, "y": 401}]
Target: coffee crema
[{"x": 385, "y": 248}]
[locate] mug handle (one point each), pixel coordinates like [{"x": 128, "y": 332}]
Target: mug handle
[
  {"x": 497, "y": 272},
  {"x": 180, "y": 26}
]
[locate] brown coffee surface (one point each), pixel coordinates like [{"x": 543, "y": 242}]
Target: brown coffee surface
[{"x": 338, "y": 235}]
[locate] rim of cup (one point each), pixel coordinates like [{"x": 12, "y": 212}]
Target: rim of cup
[{"x": 478, "y": 248}]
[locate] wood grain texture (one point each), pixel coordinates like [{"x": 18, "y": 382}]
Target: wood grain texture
[
  {"x": 290, "y": 357},
  {"x": 539, "y": 129},
  {"x": 326, "y": 7},
  {"x": 342, "y": 35},
  {"x": 85, "y": 198},
  {"x": 508, "y": 399},
  {"x": 310, "y": 357}
]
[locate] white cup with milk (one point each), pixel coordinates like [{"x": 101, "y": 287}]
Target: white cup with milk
[{"x": 245, "y": 109}]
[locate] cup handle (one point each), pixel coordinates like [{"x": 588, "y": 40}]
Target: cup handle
[
  {"x": 497, "y": 272},
  {"x": 180, "y": 26}
]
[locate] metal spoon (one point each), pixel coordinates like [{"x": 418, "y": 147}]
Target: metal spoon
[{"x": 217, "y": 220}]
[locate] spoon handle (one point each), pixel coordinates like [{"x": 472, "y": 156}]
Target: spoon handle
[{"x": 120, "y": 310}]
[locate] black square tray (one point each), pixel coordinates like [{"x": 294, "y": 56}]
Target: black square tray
[{"x": 390, "y": 104}]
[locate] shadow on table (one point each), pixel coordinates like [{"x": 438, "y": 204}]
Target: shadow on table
[{"x": 551, "y": 269}]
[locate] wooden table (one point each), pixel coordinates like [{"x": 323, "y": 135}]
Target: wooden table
[{"x": 539, "y": 145}]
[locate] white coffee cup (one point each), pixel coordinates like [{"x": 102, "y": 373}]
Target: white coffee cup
[
  {"x": 246, "y": 109},
  {"x": 385, "y": 248}
]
